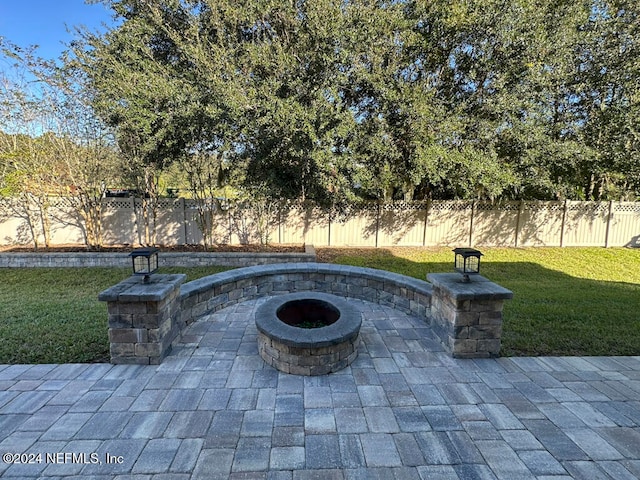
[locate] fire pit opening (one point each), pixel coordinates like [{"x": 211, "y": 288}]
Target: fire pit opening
[
  {"x": 308, "y": 313},
  {"x": 308, "y": 333}
]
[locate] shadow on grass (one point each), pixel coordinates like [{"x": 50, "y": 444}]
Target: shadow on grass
[{"x": 552, "y": 313}]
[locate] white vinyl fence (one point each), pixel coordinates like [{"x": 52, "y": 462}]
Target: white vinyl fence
[{"x": 453, "y": 223}]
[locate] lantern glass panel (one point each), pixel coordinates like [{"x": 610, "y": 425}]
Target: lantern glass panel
[
  {"x": 141, "y": 265},
  {"x": 153, "y": 262},
  {"x": 472, "y": 265},
  {"x": 145, "y": 261},
  {"x": 467, "y": 260}
]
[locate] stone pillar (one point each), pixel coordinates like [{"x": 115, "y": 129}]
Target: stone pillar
[
  {"x": 467, "y": 316},
  {"x": 143, "y": 318}
]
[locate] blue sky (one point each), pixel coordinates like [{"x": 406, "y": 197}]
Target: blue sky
[{"x": 45, "y": 22}]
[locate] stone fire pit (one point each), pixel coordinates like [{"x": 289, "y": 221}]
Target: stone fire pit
[{"x": 285, "y": 343}]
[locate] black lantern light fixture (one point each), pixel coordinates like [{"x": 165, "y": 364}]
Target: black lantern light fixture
[
  {"x": 467, "y": 262},
  {"x": 145, "y": 261}
]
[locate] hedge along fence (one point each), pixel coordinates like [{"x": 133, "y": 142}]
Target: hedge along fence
[{"x": 526, "y": 223}]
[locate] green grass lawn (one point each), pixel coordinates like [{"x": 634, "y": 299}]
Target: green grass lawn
[
  {"x": 52, "y": 315},
  {"x": 573, "y": 301}
]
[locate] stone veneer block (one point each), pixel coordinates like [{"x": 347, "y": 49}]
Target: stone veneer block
[
  {"x": 468, "y": 316},
  {"x": 144, "y": 318}
]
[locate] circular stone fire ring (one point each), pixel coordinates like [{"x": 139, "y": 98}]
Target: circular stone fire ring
[{"x": 308, "y": 351}]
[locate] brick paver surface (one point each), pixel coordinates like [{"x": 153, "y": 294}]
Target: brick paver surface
[{"x": 404, "y": 409}]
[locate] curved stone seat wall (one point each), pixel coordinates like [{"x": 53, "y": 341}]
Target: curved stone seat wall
[
  {"x": 212, "y": 293},
  {"x": 144, "y": 318}
]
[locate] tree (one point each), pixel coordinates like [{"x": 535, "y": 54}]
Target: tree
[
  {"x": 610, "y": 99},
  {"x": 545, "y": 88},
  {"x": 55, "y": 148},
  {"x": 490, "y": 65},
  {"x": 24, "y": 184},
  {"x": 25, "y": 153},
  {"x": 205, "y": 176},
  {"x": 155, "y": 85},
  {"x": 330, "y": 100},
  {"x": 297, "y": 133}
]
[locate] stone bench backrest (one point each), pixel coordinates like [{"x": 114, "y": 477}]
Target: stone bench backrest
[{"x": 209, "y": 294}]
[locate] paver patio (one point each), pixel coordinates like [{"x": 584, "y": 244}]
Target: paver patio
[{"x": 404, "y": 409}]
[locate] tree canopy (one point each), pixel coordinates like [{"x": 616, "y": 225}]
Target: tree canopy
[
  {"x": 51, "y": 144},
  {"x": 336, "y": 100}
]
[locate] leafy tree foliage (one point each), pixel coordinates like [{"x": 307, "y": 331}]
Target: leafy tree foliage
[
  {"x": 610, "y": 100},
  {"x": 52, "y": 147},
  {"x": 335, "y": 100}
]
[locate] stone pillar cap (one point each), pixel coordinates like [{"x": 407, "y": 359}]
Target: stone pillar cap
[
  {"x": 133, "y": 289},
  {"x": 478, "y": 288}
]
